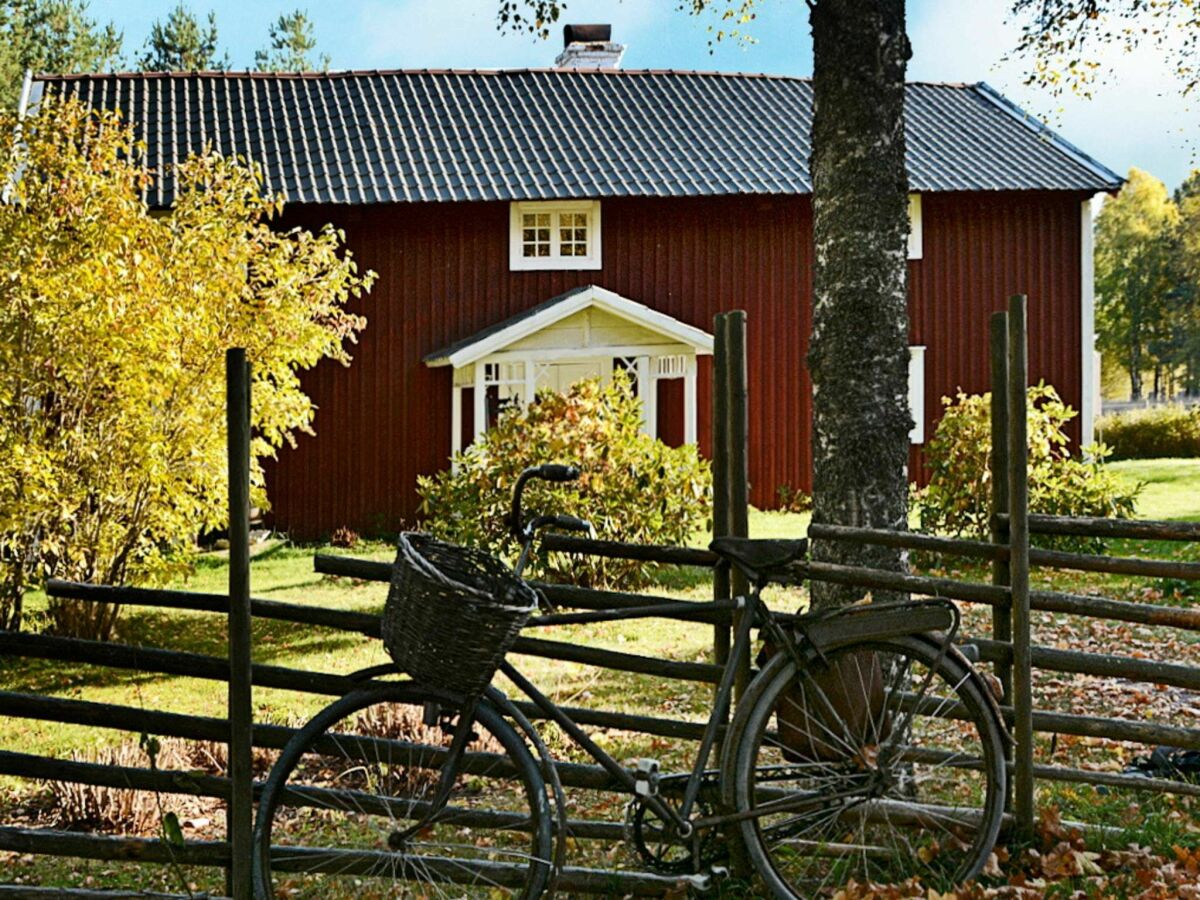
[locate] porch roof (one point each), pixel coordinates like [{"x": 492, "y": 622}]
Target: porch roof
[{"x": 496, "y": 337}]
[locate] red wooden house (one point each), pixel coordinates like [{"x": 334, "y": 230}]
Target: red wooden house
[{"x": 530, "y": 227}]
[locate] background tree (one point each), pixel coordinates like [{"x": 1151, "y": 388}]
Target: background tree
[
  {"x": 1133, "y": 234},
  {"x": 182, "y": 44},
  {"x": 113, "y": 325},
  {"x": 1184, "y": 297},
  {"x": 50, "y": 36},
  {"x": 292, "y": 43},
  {"x": 858, "y": 356},
  {"x": 1061, "y": 38}
]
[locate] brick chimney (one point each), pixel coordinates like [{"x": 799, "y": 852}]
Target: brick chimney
[{"x": 589, "y": 47}]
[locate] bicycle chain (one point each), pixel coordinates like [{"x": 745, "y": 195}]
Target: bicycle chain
[{"x": 703, "y": 849}]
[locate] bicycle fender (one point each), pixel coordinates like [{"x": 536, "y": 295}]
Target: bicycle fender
[{"x": 868, "y": 622}]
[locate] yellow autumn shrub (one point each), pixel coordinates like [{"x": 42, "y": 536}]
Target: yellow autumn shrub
[{"x": 113, "y": 325}]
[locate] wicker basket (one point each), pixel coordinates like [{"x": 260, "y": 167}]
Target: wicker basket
[{"x": 452, "y": 613}]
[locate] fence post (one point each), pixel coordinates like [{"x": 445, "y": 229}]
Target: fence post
[
  {"x": 1001, "y": 613},
  {"x": 720, "y": 469},
  {"x": 739, "y": 483},
  {"x": 239, "y": 819},
  {"x": 1018, "y": 564}
]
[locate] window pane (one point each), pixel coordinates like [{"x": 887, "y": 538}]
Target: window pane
[
  {"x": 535, "y": 234},
  {"x": 572, "y": 234}
]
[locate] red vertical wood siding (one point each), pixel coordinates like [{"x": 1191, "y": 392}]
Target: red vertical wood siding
[
  {"x": 443, "y": 274},
  {"x": 978, "y": 249}
]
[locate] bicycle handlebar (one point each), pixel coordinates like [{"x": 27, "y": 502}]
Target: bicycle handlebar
[
  {"x": 556, "y": 472},
  {"x": 567, "y": 523}
]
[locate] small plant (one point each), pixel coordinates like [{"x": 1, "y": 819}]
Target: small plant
[
  {"x": 128, "y": 811},
  {"x": 632, "y": 488},
  {"x": 957, "y": 499},
  {"x": 1164, "y": 432},
  {"x": 792, "y": 499},
  {"x": 344, "y": 537}
]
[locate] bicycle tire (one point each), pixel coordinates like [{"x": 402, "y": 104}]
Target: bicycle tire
[
  {"x": 822, "y": 848},
  {"x": 363, "y": 769}
]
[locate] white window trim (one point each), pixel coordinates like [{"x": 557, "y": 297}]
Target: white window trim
[
  {"x": 915, "y": 238},
  {"x": 1089, "y": 400},
  {"x": 519, "y": 263},
  {"x": 916, "y": 393}
]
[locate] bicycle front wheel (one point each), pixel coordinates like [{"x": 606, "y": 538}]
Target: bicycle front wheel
[
  {"x": 879, "y": 764},
  {"x": 338, "y": 812}
]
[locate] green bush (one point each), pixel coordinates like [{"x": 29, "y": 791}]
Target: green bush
[
  {"x": 1168, "y": 431},
  {"x": 957, "y": 499},
  {"x": 632, "y": 487}
]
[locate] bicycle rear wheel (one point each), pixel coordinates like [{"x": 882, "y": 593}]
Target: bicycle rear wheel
[
  {"x": 881, "y": 764},
  {"x": 334, "y": 811}
]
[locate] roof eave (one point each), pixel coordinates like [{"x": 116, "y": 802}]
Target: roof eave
[{"x": 1109, "y": 180}]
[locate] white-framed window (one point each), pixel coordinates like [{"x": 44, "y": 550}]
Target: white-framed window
[
  {"x": 555, "y": 234},
  {"x": 915, "y": 248},
  {"x": 916, "y": 393}
]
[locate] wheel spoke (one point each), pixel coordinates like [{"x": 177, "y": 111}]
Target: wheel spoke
[
  {"x": 884, "y": 766},
  {"x": 352, "y": 801}
]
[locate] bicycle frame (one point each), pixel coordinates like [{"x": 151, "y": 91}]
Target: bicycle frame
[
  {"x": 760, "y": 615},
  {"x": 679, "y": 817},
  {"x": 817, "y": 631}
]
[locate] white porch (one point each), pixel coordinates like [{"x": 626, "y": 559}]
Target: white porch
[{"x": 589, "y": 332}]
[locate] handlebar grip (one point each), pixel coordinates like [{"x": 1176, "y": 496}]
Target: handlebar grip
[
  {"x": 570, "y": 523},
  {"x": 556, "y": 472}
]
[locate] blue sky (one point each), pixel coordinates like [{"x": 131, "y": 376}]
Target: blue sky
[{"x": 1137, "y": 118}]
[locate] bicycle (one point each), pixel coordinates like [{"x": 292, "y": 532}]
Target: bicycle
[{"x": 865, "y": 748}]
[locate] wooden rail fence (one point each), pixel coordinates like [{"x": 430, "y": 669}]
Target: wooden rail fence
[{"x": 1008, "y": 647}]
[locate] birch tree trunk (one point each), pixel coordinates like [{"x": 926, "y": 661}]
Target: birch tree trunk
[{"x": 859, "y": 351}]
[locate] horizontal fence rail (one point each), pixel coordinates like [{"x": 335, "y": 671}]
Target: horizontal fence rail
[{"x": 1134, "y": 529}]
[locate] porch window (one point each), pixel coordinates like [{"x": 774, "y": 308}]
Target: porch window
[
  {"x": 555, "y": 235},
  {"x": 503, "y": 386}
]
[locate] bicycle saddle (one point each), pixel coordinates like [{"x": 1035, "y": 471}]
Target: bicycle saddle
[{"x": 761, "y": 557}]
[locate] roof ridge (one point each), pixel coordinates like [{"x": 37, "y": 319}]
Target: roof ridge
[{"x": 525, "y": 70}]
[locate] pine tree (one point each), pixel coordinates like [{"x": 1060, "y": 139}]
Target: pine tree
[
  {"x": 292, "y": 43},
  {"x": 51, "y": 36},
  {"x": 182, "y": 44}
]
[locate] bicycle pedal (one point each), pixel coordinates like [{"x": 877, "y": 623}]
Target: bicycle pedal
[{"x": 645, "y": 777}]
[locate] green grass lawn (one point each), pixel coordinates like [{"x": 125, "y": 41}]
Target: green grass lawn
[
  {"x": 285, "y": 572},
  {"x": 1170, "y": 487}
]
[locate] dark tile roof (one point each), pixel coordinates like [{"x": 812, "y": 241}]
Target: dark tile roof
[{"x": 380, "y": 137}]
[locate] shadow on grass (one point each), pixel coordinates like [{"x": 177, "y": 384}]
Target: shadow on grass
[{"x": 273, "y": 643}]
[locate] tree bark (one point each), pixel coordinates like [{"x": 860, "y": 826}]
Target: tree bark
[{"x": 859, "y": 352}]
